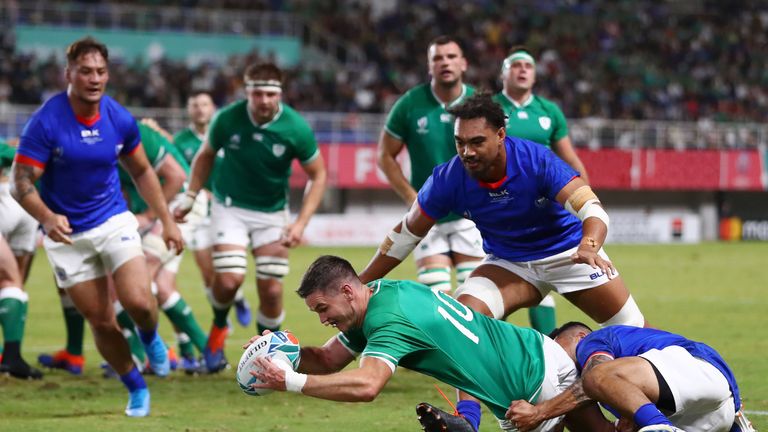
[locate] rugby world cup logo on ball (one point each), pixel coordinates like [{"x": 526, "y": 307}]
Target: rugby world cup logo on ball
[{"x": 282, "y": 346}]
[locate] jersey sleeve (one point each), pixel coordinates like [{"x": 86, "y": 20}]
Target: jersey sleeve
[
  {"x": 391, "y": 342},
  {"x": 131, "y": 135},
  {"x": 598, "y": 342},
  {"x": 306, "y": 145},
  {"x": 35, "y": 147},
  {"x": 561, "y": 125},
  {"x": 434, "y": 196},
  {"x": 396, "y": 124},
  {"x": 152, "y": 142},
  {"x": 553, "y": 173},
  {"x": 354, "y": 341}
]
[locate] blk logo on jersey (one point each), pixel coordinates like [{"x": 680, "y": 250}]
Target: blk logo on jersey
[
  {"x": 90, "y": 136},
  {"x": 500, "y": 196}
]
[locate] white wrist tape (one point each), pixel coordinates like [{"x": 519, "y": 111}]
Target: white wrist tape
[
  {"x": 294, "y": 381},
  {"x": 399, "y": 244},
  {"x": 184, "y": 201},
  {"x": 593, "y": 210}
]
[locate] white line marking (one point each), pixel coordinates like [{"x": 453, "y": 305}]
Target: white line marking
[{"x": 759, "y": 413}]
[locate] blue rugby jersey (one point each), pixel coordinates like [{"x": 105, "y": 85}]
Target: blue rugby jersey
[
  {"x": 625, "y": 341},
  {"x": 518, "y": 216},
  {"x": 79, "y": 158}
]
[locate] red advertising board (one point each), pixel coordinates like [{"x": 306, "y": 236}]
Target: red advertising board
[{"x": 353, "y": 166}]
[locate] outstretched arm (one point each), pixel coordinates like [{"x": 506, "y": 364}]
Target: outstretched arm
[
  {"x": 398, "y": 244},
  {"x": 388, "y": 149},
  {"x": 357, "y": 385},
  {"x": 564, "y": 148},
  {"x": 329, "y": 358}
]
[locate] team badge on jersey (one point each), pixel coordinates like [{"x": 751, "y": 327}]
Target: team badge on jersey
[
  {"x": 278, "y": 149},
  {"x": 545, "y": 122},
  {"x": 522, "y": 115},
  {"x": 446, "y": 118},
  {"x": 422, "y": 125}
]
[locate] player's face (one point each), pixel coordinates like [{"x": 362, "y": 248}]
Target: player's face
[
  {"x": 334, "y": 309},
  {"x": 263, "y": 103},
  {"x": 87, "y": 77},
  {"x": 521, "y": 76},
  {"x": 478, "y": 145},
  {"x": 446, "y": 63},
  {"x": 200, "y": 109}
]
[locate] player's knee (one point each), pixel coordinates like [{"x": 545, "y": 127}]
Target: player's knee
[
  {"x": 629, "y": 315},
  {"x": 270, "y": 291},
  {"x": 484, "y": 290},
  {"x": 230, "y": 262},
  {"x": 269, "y": 267},
  {"x": 463, "y": 270},
  {"x": 435, "y": 277}
]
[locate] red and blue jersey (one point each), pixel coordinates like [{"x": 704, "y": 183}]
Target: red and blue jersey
[
  {"x": 518, "y": 216},
  {"x": 79, "y": 158},
  {"x": 625, "y": 341}
]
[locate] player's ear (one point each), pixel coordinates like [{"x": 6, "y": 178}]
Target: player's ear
[{"x": 501, "y": 133}]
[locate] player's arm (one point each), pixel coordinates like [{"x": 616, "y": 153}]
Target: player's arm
[
  {"x": 202, "y": 165},
  {"x": 23, "y": 178},
  {"x": 579, "y": 199},
  {"x": 398, "y": 244},
  {"x": 388, "y": 149},
  {"x": 329, "y": 358},
  {"x": 313, "y": 194},
  {"x": 357, "y": 385},
  {"x": 145, "y": 179},
  {"x": 528, "y": 417},
  {"x": 564, "y": 148},
  {"x": 172, "y": 176}
]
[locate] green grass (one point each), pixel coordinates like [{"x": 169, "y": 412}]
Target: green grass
[{"x": 712, "y": 292}]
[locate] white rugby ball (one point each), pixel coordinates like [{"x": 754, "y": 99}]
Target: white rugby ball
[{"x": 282, "y": 347}]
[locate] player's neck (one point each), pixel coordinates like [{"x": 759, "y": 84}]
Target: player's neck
[
  {"x": 519, "y": 96},
  {"x": 200, "y": 129},
  {"x": 82, "y": 108},
  {"x": 498, "y": 169},
  {"x": 446, "y": 94}
]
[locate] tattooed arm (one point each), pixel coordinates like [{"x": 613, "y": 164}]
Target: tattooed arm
[
  {"x": 23, "y": 178},
  {"x": 527, "y": 417}
]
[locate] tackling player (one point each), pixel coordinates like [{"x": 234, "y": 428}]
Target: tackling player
[
  {"x": 260, "y": 137},
  {"x": 543, "y": 228},
  {"x": 420, "y": 122},
  {"x": 536, "y": 119},
  {"x": 401, "y": 323},
  {"x": 197, "y": 236},
  {"x": 651, "y": 379},
  {"x": 73, "y": 144}
]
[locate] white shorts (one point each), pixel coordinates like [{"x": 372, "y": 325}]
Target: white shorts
[
  {"x": 16, "y": 225},
  {"x": 555, "y": 273},
  {"x": 239, "y": 226},
  {"x": 96, "y": 251},
  {"x": 460, "y": 236},
  {"x": 559, "y": 373},
  {"x": 197, "y": 236},
  {"x": 702, "y": 396}
]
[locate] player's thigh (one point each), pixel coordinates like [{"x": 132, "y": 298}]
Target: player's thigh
[
  {"x": 602, "y": 302},
  {"x": 92, "y": 300},
  {"x": 433, "y": 249},
  {"x": 228, "y": 227},
  {"x": 515, "y": 291},
  {"x": 132, "y": 282},
  {"x": 272, "y": 265},
  {"x": 9, "y": 270},
  {"x": 204, "y": 261},
  {"x": 617, "y": 374},
  {"x": 75, "y": 263},
  {"x": 465, "y": 241}
]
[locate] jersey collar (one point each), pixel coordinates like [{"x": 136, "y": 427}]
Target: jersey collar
[
  {"x": 269, "y": 123},
  {"x": 517, "y": 105},
  {"x": 452, "y": 103},
  {"x": 197, "y": 135}
]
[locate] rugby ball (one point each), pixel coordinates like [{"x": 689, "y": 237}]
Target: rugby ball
[{"x": 282, "y": 346}]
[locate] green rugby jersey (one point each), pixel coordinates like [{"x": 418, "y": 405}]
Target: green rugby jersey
[
  {"x": 429, "y": 332},
  {"x": 257, "y": 159},
  {"x": 188, "y": 142},
  {"x": 538, "y": 119},
  {"x": 421, "y": 121},
  {"x": 7, "y": 153}
]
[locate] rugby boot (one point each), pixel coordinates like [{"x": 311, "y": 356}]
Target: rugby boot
[
  {"x": 63, "y": 360},
  {"x": 138, "y": 403},
  {"x": 660, "y": 428},
  {"x": 21, "y": 369},
  {"x": 157, "y": 355},
  {"x": 434, "y": 419},
  {"x": 243, "y": 312}
]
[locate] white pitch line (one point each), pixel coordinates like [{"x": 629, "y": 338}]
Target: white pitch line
[{"x": 758, "y": 413}]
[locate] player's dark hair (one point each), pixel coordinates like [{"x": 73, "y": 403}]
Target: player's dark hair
[
  {"x": 263, "y": 72},
  {"x": 518, "y": 48},
  {"x": 480, "y": 105},
  {"x": 325, "y": 274},
  {"x": 567, "y": 326},
  {"x": 445, "y": 40},
  {"x": 199, "y": 92},
  {"x": 84, "y": 46}
]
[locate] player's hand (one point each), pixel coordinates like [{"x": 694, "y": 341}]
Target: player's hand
[
  {"x": 587, "y": 254},
  {"x": 181, "y": 205},
  {"x": 57, "y": 228},
  {"x": 292, "y": 234},
  {"x": 172, "y": 237},
  {"x": 270, "y": 375},
  {"x": 523, "y": 415}
]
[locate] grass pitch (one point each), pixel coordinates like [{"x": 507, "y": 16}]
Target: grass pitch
[{"x": 713, "y": 292}]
